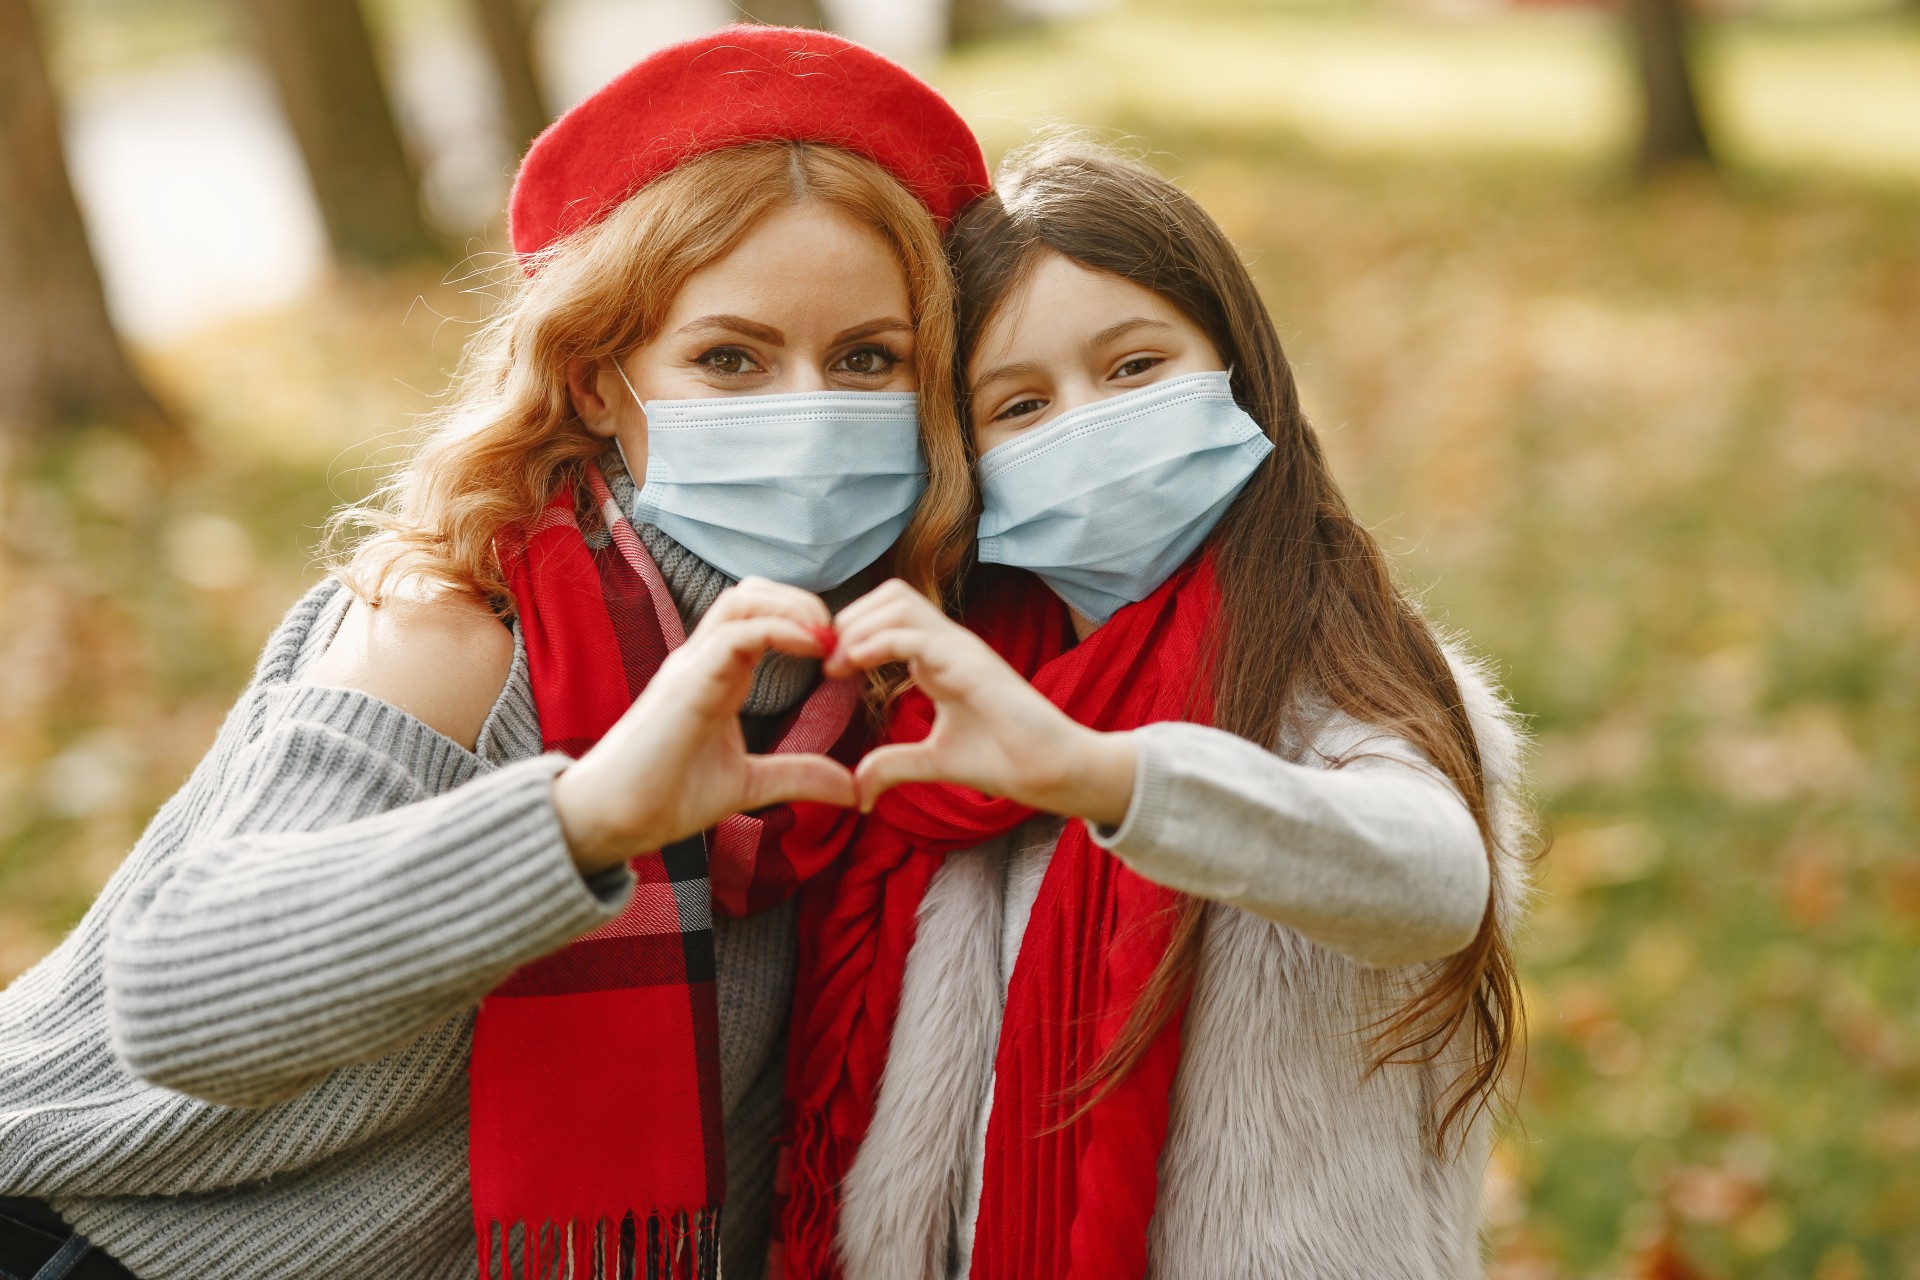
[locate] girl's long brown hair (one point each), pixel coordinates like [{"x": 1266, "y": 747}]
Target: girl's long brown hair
[
  {"x": 1309, "y": 610},
  {"x": 509, "y": 435}
]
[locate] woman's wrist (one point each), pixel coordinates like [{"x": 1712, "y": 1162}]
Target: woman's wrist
[
  {"x": 1095, "y": 778},
  {"x": 596, "y": 839}
]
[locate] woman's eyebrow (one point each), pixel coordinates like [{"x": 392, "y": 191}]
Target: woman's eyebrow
[
  {"x": 889, "y": 324},
  {"x": 735, "y": 324},
  {"x": 1121, "y": 328}
]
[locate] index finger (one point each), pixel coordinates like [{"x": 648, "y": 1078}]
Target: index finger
[
  {"x": 765, "y": 598},
  {"x": 893, "y": 593}
]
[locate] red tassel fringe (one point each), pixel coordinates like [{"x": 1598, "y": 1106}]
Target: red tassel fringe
[
  {"x": 817, "y": 1160},
  {"x": 660, "y": 1245}
]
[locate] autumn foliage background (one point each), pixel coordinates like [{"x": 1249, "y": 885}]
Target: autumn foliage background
[{"x": 1653, "y": 446}]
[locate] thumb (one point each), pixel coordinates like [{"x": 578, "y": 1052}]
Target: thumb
[
  {"x": 777, "y": 779},
  {"x": 884, "y": 768}
]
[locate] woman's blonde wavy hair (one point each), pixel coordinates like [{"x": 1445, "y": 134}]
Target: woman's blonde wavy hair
[{"x": 509, "y": 436}]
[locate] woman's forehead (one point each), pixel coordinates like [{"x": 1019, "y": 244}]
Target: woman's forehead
[{"x": 807, "y": 256}]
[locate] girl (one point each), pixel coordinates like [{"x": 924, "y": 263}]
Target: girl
[
  {"x": 259, "y": 1053},
  {"x": 1221, "y": 986}
]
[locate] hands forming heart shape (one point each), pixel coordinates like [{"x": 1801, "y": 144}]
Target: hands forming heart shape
[{"x": 677, "y": 762}]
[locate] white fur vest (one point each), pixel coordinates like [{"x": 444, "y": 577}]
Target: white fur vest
[{"x": 1284, "y": 1157}]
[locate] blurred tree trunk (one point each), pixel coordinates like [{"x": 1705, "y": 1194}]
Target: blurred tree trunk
[
  {"x": 507, "y": 27},
  {"x": 60, "y": 359},
  {"x": 972, "y": 20},
  {"x": 322, "y": 58},
  {"x": 784, "y": 13},
  {"x": 1671, "y": 131}
]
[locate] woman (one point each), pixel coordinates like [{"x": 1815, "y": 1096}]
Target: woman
[
  {"x": 259, "y": 1053},
  {"x": 1222, "y": 986}
]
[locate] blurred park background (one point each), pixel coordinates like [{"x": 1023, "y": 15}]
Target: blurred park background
[{"x": 1610, "y": 316}]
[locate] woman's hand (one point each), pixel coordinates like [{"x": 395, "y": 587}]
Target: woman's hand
[
  {"x": 676, "y": 762},
  {"x": 991, "y": 729}
]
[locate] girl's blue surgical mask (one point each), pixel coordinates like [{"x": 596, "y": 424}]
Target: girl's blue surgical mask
[
  {"x": 806, "y": 489},
  {"x": 1108, "y": 499}
]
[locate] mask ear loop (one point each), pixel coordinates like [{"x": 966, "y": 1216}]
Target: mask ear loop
[{"x": 639, "y": 404}]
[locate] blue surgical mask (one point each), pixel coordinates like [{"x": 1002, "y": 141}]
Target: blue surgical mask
[
  {"x": 1107, "y": 500},
  {"x": 806, "y": 489}
]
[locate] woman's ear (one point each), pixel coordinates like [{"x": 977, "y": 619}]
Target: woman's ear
[{"x": 585, "y": 388}]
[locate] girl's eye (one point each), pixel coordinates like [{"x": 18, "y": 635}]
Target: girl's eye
[
  {"x": 1020, "y": 409},
  {"x": 727, "y": 361},
  {"x": 868, "y": 361},
  {"x": 1138, "y": 365}
]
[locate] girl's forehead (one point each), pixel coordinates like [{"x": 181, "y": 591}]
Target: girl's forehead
[{"x": 1061, "y": 307}]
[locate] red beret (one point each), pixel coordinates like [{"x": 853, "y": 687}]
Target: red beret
[{"x": 742, "y": 84}]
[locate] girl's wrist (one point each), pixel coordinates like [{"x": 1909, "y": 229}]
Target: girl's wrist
[{"x": 1095, "y": 782}]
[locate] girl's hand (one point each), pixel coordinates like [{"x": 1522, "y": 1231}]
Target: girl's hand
[
  {"x": 676, "y": 762},
  {"x": 992, "y": 731}
]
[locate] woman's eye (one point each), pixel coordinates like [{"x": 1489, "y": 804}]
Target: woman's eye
[
  {"x": 1019, "y": 409},
  {"x": 728, "y": 361},
  {"x": 868, "y": 361},
  {"x": 1138, "y": 365}
]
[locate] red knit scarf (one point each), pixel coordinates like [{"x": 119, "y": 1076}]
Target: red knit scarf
[
  {"x": 595, "y": 1078},
  {"x": 1060, "y": 1200}
]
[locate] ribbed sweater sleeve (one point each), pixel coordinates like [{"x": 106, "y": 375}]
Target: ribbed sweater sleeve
[
  {"x": 365, "y": 879},
  {"x": 1378, "y": 860}
]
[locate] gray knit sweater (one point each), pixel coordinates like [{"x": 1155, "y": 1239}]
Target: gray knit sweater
[{"x": 249, "y": 1058}]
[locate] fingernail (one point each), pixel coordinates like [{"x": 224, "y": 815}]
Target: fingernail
[{"x": 829, "y": 640}]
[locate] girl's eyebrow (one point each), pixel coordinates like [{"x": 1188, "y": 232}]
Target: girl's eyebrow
[
  {"x": 1120, "y": 328},
  {"x": 1029, "y": 368},
  {"x": 1007, "y": 372}
]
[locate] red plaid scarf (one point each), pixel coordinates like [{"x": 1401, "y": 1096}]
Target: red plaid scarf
[
  {"x": 597, "y": 1144},
  {"x": 1063, "y": 1198}
]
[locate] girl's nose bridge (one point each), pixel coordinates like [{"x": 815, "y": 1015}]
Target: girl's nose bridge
[{"x": 1075, "y": 389}]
